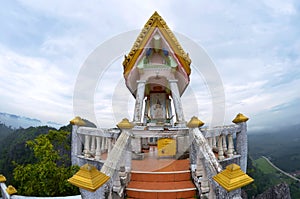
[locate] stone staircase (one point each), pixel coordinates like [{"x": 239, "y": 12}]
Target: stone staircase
[{"x": 172, "y": 181}]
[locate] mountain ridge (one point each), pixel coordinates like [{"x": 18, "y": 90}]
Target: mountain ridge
[{"x": 18, "y": 121}]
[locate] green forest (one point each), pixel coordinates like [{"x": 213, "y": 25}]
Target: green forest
[{"x": 37, "y": 161}]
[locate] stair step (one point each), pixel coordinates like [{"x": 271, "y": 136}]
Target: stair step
[
  {"x": 174, "y": 176},
  {"x": 182, "y": 189}
]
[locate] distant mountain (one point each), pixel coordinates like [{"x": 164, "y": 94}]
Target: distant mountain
[{"x": 17, "y": 121}]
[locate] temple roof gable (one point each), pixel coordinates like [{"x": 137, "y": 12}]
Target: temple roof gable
[{"x": 154, "y": 22}]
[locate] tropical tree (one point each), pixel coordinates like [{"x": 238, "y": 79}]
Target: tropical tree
[{"x": 48, "y": 175}]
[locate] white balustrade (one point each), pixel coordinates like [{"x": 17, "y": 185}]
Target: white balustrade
[
  {"x": 220, "y": 139},
  {"x": 96, "y": 141}
]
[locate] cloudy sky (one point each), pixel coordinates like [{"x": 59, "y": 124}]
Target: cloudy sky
[{"x": 254, "y": 45}]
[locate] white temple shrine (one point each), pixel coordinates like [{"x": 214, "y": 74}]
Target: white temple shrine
[{"x": 159, "y": 154}]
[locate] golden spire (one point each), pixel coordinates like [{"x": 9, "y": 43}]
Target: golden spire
[
  {"x": 232, "y": 178},
  {"x": 195, "y": 122},
  {"x": 240, "y": 118},
  {"x": 88, "y": 178},
  {"x": 125, "y": 124},
  {"x": 155, "y": 21},
  {"x": 11, "y": 190},
  {"x": 77, "y": 121}
]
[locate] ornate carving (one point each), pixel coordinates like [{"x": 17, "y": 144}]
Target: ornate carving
[{"x": 155, "y": 21}]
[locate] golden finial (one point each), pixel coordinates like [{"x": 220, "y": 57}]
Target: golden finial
[
  {"x": 195, "y": 122},
  {"x": 232, "y": 178},
  {"x": 11, "y": 190},
  {"x": 77, "y": 121},
  {"x": 2, "y": 178},
  {"x": 88, "y": 178},
  {"x": 125, "y": 124},
  {"x": 240, "y": 118}
]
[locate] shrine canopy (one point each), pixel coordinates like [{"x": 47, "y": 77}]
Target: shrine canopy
[{"x": 155, "y": 51}]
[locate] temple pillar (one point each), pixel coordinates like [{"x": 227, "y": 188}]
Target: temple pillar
[
  {"x": 139, "y": 98},
  {"x": 128, "y": 156},
  {"x": 242, "y": 145},
  {"x": 169, "y": 108},
  {"x": 177, "y": 101},
  {"x": 76, "y": 145},
  {"x": 242, "y": 140},
  {"x": 147, "y": 105}
]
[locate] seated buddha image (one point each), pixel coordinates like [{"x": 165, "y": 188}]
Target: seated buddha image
[{"x": 158, "y": 110}]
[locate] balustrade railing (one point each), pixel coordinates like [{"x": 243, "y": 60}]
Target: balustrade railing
[
  {"x": 220, "y": 139},
  {"x": 95, "y": 141}
]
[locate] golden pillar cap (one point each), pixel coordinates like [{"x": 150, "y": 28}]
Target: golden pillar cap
[
  {"x": 195, "y": 122},
  {"x": 88, "y": 178},
  {"x": 11, "y": 190},
  {"x": 232, "y": 178},
  {"x": 2, "y": 178},
  {"x": 77, "y": 121},
  {"x": 240, "y": 118},
  {"x": 125, "y": 124}
]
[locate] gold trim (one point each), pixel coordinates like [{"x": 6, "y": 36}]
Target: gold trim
[
  {"x": 125, "y": 124},
  {"x": 2, "y": 178},
  {"x": 11, "y": 190},
  {"x": 232, "y": 178},
  {"x": 155, "y": 21},
  {"x": 77, "y": 121},
  {"x": 88, "y": 178},
  {"x": 195, "y": 122},
  {"x": 240, "y": 118}
]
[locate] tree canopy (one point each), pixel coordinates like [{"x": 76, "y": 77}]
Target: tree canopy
[{"x": 48, "y": 175}]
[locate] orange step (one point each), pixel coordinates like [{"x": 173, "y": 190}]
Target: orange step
[
  {"x": 171, "y": 181},
  {"x": 160, "y": 176}
]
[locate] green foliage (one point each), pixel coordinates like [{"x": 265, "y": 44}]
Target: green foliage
[
  {"x": 13, "y": 149},
  {"x": 4, "y": 131},
  {"x": 47, "y": 176},
  {"x": 264, "y": 166}
]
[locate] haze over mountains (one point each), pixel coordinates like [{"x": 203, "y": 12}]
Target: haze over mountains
[{"x": 17, "y": 121}]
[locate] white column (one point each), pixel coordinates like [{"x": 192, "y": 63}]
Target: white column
[
  {"x": 93, "y": 146},
  {"x": 139, "y": 98},
  {"x": 176, "y": 100},
  {"x": 224, "y": 144},
  {"x": 98, "y": 149},
  {"x": 128, "y": 156},
  {"x": 242, "y": 145},
  {"x": 103, "y": 140},
  {"x": 147, "y": 103},
  {"x": 86, "y": 145},
  {"x": 76, "y": 145},
  {"x": 220, "y": 148},
  {"x": 230, "y": 146},
  {"x": 170, "y": 110}
]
